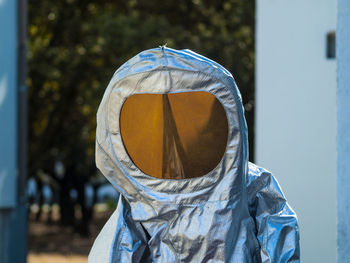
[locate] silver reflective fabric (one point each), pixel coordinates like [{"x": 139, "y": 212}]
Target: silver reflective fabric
[{"x": 236, "y": 213}]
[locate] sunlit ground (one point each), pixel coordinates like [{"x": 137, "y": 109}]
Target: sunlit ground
[
  {"x": 55, "y": 258},
  {"x": 49, "y": 242}
]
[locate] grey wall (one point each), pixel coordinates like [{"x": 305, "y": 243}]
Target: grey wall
[
  {"x": 343, "y": 130},
  {"x": 296, "y": 114}
]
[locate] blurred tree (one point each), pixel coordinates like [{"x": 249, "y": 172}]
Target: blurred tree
[{"x": 76, "y": 45}]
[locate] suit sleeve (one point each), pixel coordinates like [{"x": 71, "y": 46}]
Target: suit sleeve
[
  {"x": 120, "y": 240},
  {"x": 276, "y": 223}
]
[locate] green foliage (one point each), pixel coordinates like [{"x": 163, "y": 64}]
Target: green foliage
[{"x": 76, "y": 45}]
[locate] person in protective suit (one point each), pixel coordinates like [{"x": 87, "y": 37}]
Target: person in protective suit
[{"x": 172, "y": 139}]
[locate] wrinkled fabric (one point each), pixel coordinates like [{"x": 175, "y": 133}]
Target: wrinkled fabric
[{"x": 235, "y": 213}]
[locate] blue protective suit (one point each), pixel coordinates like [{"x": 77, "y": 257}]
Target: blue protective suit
[{"x": 235, "y": 213}]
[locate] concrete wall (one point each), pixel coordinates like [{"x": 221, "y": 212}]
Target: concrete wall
[
  {"x": 343, "y": 130},
  {"x": 296, "y": 114}
]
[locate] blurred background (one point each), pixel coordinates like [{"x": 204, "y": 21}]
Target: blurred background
[
  {"x": 74, "y": 47},
  {"x": 57, "y": 57}
]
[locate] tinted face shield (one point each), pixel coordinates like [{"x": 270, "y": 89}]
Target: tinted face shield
[{"x": 175, "y": 135}]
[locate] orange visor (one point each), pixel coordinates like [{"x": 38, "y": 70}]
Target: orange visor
[{"x": 174, "y": 136}]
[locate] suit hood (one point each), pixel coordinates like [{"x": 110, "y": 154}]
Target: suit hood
[{"x": 166, "y": 71}]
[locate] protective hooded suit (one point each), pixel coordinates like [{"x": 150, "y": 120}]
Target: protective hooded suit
[{"x": 172, "y": 139}]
